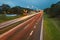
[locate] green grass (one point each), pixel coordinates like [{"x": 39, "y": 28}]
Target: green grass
[
  {"x": 51, "y": 28},
  {"x": 4, "y": 18}
]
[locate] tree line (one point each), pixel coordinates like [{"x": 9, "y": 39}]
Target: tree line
[
  {"x": 54, "y": 10},
  {"x": 6, "y": 9}
]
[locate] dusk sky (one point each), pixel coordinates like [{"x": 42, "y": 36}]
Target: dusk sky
[{"x": 40, "y": 4}]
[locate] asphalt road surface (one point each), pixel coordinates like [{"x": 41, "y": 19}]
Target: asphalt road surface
[
  {"x": 29, "y": 30},
  {"x": 33, "y": 34}
]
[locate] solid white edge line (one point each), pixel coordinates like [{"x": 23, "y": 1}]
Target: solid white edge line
[{"x": 41, "y": 33}]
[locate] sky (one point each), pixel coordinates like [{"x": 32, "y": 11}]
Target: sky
[{"x": 34, "y": 4}]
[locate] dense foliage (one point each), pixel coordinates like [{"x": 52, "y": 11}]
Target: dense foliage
[
  {"x": 6, "y": 9},
  {"x": 54, "y": 10}
]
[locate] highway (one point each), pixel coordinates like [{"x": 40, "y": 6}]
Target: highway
[
  {"x": 28, "y": 30},
  {"x": 32, "y": 34}
]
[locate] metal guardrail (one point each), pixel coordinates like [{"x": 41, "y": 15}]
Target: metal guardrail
[{"x": 22, "y": 33}]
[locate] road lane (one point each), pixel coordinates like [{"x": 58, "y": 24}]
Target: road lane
[{"x": 36, "y": 34}]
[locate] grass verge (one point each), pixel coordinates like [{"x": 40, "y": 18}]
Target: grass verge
[
  {"x": 51, "y": 29},
  {"x": 7, "y": 18}
]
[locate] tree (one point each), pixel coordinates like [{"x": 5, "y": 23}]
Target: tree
[
  {"x": 17, "y": 10},
  {"x": 0, "y": 10},
  {"x": 5, "y": 8},
  {"x": 54, "y": 10}
]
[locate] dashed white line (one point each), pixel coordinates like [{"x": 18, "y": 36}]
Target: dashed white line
[
  {"x": 31, "y": 32},
  {"x": 30, "y": 35}
]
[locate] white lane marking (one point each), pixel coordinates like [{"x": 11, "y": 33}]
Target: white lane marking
[
  {"x": 35, "y": 26},
  {"x": 30, "y": 35},
  {"x": 31, "y": 32},
  {"x": 41, "y": 35},
  {"x": 26, "y": 26}
]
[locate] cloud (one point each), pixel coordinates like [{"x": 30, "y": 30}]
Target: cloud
[{"x": 7, "y": 2}]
